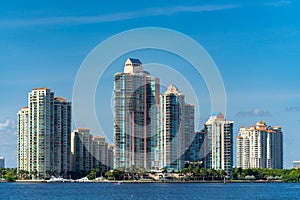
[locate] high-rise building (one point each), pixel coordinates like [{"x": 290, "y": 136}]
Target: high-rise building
[
  {"x": 44, "y": 133},
  {"x": 197, "y": 148},
  {"x": 176, "y": 129},
  {"x": 100, "y": 152},
  {"x": 2, "y": 162},
  {"x": 188, "y": 131},
  {"x": 90, "y": 152},
  {"x": 62, "y": 135},
  {"x": 40, "y": 103},
  {"x": 260, "y": 147},
  {"x": 82, "y": 150},
  {"x": 219, "y": 143},
  {"x": 110, "y": 156},
  {"x": 136, "y": 97},
  {"x": 23, "y": 139}
]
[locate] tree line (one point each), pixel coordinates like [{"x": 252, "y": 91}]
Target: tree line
[{"x": 188, "y": 173}]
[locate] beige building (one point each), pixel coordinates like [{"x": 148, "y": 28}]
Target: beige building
[{"x": 260, "y": 146}]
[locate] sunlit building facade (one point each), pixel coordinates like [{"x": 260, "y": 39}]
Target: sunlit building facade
[
  {"x": 176, "y": 129},
  {"x": 260, "y": 146},
  {"x": 44, "y": 135},
  {"x": 136, "y": 97},
  {"x": 219, "y": 143}
]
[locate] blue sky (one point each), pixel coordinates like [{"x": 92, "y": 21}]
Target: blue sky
[{"x": 256, "y": 46}]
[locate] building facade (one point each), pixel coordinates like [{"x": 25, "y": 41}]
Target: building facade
[
  {"x": 44, "y": 133},
  {"x": 23, "y": 139},
  {"x": 260, "y": 146},
  {"x": 90, "y": 152},
  {"x": 110, "y": 156},
  {"x": 219, "y": 143},
  {"x": 82, "y": 150},
  {"x": 197, "y": 148},
  {"x": 136, "y": 96},
  {"x": 100, "y": 152},
  {"x": 62, "y": 135},
  {"x": 176, "y": 129}
]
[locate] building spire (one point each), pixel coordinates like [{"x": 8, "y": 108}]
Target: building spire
[{"x": 172, "y": 89}]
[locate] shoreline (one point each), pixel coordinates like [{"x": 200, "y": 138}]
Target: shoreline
[{"x": 155, "y": 182}]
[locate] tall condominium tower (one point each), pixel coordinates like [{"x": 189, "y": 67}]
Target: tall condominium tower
[
  {"x": 219, "y": 143},
  {"x": 62, "y": 135},
  {"x": 176, "y": 129},
  {"x": 44, "y": 132},
  {"x": 23, "y": 139},
  {"x": 260, "y": 147},
  {"x": 82, "y": 150},
  {"x": 136, "y": 97}
]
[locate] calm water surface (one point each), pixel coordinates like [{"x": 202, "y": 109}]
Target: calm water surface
[{"x": 149, "y": 191}]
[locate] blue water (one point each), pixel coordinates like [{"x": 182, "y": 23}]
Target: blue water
[{"x": 149, "y": 191}]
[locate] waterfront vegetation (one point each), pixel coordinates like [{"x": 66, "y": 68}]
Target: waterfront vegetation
[{"x": 189, "y": 173}]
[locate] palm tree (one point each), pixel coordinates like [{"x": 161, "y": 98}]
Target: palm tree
[
  {"x": 203, "y": 173},
  {"x": 23, "y": 174},
  {"x": 34, "y": 174},
  {"x": 212, "y": 173}
]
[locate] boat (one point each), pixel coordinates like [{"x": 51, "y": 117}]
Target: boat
[{"x": 54, "y": 179}]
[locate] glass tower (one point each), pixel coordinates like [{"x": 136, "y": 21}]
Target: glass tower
[{"x": 136, "y": 98}]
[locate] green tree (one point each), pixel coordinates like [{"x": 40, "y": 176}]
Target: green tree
[{"x": 10, "y": 176}]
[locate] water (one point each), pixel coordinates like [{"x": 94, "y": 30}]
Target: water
[{"x": 149, "y": 191}]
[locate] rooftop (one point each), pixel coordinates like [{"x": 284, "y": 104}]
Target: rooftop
[
  {"x": 172, "y": 89},
  {"x": 42, "y": 88},
  {"x": 133, "y": 65},
  {"x": 60, "y": 99}
]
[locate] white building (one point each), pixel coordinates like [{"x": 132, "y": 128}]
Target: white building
[
  {"x": 23, "y": 139},
  {"x": 44, "y": 133},
  {"x": 219, "y": 143},
  {"x": 260, "y": 146}
]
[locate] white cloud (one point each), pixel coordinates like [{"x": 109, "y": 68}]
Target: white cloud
[
  {"x": 5, "y": 125},
  {"x": 113, "y": 17},
  {"x": 255, "y": 112}
]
